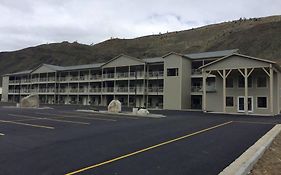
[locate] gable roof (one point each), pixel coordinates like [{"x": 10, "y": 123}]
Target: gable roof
[
  {"x": 19, "y": 73},
  {"x": 171, "y": 53},
  {"x": 123, "y": 55},
  {"x": 214, "y": 54},
  {"x": 84, "y": 66},
  {"x": 240, "y": 55},
  {"x": 153, "y": 60}
]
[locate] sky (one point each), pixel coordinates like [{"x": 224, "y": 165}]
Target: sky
[{"x": 25, "y": 23}]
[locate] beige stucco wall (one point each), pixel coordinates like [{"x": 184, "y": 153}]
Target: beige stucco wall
[
  {"x": 215, "y": 100},
  {"x": 177, "y": 88},
  {"x": 123, "y": 61},
  {"x": 172, "y": 84},
  {"x": 186, "y": 84},
  {"x": 42, "y": 69},
  {"x": 234, "y": 62}
]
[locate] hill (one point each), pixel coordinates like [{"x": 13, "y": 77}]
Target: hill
[{"x": 260, "y": 37}]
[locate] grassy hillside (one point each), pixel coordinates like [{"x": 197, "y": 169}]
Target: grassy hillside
[{"x": 260, "y": 37}]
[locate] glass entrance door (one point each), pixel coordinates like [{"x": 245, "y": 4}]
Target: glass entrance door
[{"x": 240, "y": 104}]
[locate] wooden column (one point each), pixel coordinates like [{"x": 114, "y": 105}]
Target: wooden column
[
  {"x": 143, "y": 96},
  {"x": 129, "y": 70},
  {"x": 271, "y": 88},
  {"x": 278, "y": 92},
  {"x": 114, "y": 84},
  {"x": 246, "y": 91},
  {"x": 204, "y": 90},
  {"x": 88, "y": 88},
  {"x": 223, "y": 90},
  {"x": 102, "y": 101}
]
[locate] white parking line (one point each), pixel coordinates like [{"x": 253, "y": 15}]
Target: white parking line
[
  {"x": 82, "y": 117},
  {"x": 26, "y": 124},
  {"x": 50, "y": 119},
  {"x": 1, "y": 134},
  {"x": 101, "y": 114}
]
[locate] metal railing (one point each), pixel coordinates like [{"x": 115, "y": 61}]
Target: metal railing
[
  {"x": 108, "y": 75},
  {"x": 196, "y": 71},
  {"x": 155, "y": 89},
  {"x": 156, "y": 74},
  {"x": 211, "y": 88}
]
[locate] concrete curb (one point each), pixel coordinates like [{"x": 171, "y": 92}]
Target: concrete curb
[
  {"x": 244, "y": 164},
  {"x": 123, "y": 114},
  {"x": 14, "y": 107}
]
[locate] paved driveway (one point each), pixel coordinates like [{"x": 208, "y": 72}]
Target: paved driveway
[{"x": 63, "y": 141}]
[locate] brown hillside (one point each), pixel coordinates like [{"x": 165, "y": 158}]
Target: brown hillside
[{"x": 260, "y": 37}]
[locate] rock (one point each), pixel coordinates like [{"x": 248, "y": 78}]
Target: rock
[
  {"x": 31, "y": 101},
  {"x": 143, "y": 112},
  {"x": 114, "y": 106},
  {"x": 135, "y": 111}
]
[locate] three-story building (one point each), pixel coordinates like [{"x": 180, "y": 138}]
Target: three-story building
[{"x": 221, "y": 81}]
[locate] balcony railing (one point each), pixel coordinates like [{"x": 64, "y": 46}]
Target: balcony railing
[
  {"x": 196, "y": 71},
  {"x": 62, "y": 78},
  {"x": 95, "y": 77},
  {"x": 137, "y": 74},
  {"x": 121, "y": 89},
  {"x": 155, "y": 89},
  {"x": 136, "y": 89},
  {"x": 51, "y": 79},
  {"x": 156, "y": 74},
  {"x": 122, "y": 75},
  {"x": 211, "y": 88},
  {"x": 73, "y": 78},
  {"x": 108, "y": 89},
  {"x": 108, "y": 75},
  {"x": 95, "y": 90},
  {"x": 73, "y": 90},
  {"x": 196, "y": 88}
]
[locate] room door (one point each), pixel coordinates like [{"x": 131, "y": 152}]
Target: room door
[{"x": 240, "y": 104}]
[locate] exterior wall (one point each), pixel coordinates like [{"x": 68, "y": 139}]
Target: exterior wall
[
  {"x": 234, "y": 62},
  {"x": 214, "y": 101},
  {"x": 172, "y": 84},
  {"x": 5, "y": 88},
  {"x": 123, "y": 61},
  {"x": 275, "y": 93},
  {"x": 186, "y": 84},
  {"x": 177, "y": 88},
  {"x": 42, "y": 69},
  {"x": 94, "y": 85},
  {"x": 235, "y": 92}
]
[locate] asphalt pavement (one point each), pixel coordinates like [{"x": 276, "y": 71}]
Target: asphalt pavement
[{"x": 64, "y": 141}]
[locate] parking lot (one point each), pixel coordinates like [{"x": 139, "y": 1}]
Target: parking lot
[{"x": 64, "y": 141}]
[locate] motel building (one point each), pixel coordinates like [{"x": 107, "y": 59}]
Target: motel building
[{"x": 221, "y": 81}]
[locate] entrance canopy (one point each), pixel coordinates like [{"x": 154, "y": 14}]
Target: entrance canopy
[{"x": 245, "y": 65}]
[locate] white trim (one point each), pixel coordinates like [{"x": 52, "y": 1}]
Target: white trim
[
  {"x": 233, "y": 101},
  {"x": 232, "y": 83},
  {"x": 252, "y": 81},
  {"x": 266, "y": 102},
  {"x": 251, "y": 97},
  {"x": 265, "y": 82}
]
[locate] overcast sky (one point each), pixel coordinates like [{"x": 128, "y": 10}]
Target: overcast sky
[{"x": 25, "y": 23}]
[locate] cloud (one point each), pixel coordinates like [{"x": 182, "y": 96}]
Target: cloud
[{"x": 27, "y": 22}]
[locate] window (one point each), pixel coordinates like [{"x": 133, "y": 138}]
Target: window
[
  {"x": 250, "y": 81},
  {"x": 172, "y": 72},
  {"x": 229, "y": 82},
  {"x": 229, "y": 101},
  {"x": 261, "y": 81},
  {"x": 262, "y": 102},
  {"x": 241, "y": 81}
]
